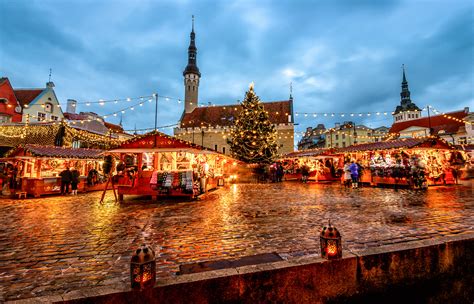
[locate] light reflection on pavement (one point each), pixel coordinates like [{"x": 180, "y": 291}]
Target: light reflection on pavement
[{"x": 56, "y": 244}]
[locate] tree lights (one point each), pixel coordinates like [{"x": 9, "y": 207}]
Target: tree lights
[{"x": 253, "y": 138}]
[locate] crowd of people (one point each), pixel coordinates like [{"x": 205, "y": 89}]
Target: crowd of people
[{"x": 69, "y": 177}]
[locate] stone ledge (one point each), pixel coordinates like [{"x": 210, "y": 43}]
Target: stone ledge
[{"x": 303, "y": 279}]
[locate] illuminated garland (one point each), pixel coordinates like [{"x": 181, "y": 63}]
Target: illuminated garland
[{"x": 45, "y": 134}]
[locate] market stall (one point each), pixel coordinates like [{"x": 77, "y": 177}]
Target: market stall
[
  {"x": 415, "y": 162},
  {"x": 36, "y": 169},
  {"x": 156, "y": 164},
  {"x": 321, "y": 163}
]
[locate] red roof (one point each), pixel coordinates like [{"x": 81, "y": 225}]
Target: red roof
[
  {"x": 25, "y": 96},
  {"x": 308, "y": 152},
  {"x": 278, "y": 112},
  {"x": 59, "y": 152},
  {"x": 438, "y": 123},
  {"x": 116, "y": 128},
  {"x": 158, "y": 140},
  {"x": 74, "y": 116},
  {"x": 399, "y": 143}
]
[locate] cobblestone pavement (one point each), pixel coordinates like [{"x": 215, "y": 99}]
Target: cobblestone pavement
[{"x": 56, "y": 244}]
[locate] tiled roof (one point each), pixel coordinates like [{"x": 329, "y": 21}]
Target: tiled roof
[
  {"x": 114, "y": 127},
  {"x": 278, "y": 112},
  {"x": 438, "y": 122},
  {"x": 394, "y": 144},
  {"x": 25, "y": 96},
  {"x": 53, "y": 151},
  {"x": 74, "y": 116},
  {"x": 309, "y": 152}
]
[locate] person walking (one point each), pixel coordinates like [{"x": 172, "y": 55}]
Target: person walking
[
  {"x": 279, "y": 172},
  {"x": 347, "y": 174},
  {"x": 66, "y": 177},
  {"x": 74, "y": 180},
  {"x": 304, "y": 173},
  {"x": 354, "y": 174}
]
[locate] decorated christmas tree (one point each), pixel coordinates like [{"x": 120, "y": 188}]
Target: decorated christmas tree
[{"x": 253, "y": 137}]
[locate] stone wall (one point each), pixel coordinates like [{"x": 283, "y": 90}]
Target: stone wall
[{"x": 440, "y": 270}]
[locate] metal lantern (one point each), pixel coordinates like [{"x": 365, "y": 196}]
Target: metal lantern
[
  {"x": 143, "y": 268},
  {"x": 331, "y": 244}
]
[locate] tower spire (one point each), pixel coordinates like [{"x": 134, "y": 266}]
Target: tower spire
[
  {"x": 291, "y": 90},
  {"x": 191, "y": 74},
  {"x": 405, "y": 94},
  {"x": 404, "y": 78}
]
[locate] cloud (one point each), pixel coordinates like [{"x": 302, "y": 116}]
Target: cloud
[{"x": 339, "y": 55}]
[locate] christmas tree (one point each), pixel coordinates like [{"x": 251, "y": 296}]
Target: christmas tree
[{"x": 253, "y": 137}]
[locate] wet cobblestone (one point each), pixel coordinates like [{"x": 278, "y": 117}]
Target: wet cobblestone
[{"x": 58, "y": 244}]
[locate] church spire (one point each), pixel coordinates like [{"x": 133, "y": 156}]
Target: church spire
[
  {"x": 191, "y": 75},
  {"x": 405, "y": 94},
  {"x": 192, "y": 52},
  {"x": 407, "y": 110}
]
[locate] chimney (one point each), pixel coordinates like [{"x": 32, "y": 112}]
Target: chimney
[
  {"x": 71, "y": 106},
  {"x": 337, "y": 125}
]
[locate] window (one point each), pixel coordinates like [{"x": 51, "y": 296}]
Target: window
[
  {"x": 76, "y": 144},
  {"x": 344, "y": 136},
  {"x": 215, "y": 147},
  {"x": 48, "y": 107},
  {"x": 343, "y": 144},
  {"x": 41, "y": 116},
  {"x": 337, "y": 144},
  {"x": 5, "y": 119},
  {"x": 55, "y": 118},
  {"x": 223, "y": 150},
  {"x": 337, "y": 137}
]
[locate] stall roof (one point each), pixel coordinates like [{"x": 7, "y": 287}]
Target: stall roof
[
  {"x": 408, "y": 143},
  {"x": 159, "y": 142},
  {"x": 56, "y": 152},
  {"x": 309, "y": 153},
  {"x": 433, "y": 143}
]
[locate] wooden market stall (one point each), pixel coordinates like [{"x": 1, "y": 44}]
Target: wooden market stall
[
  {"x": 415, "y": 162},
  {"x": 36, "y": 168},
  {"x": 322, "y": 164},
  {"x": 156, "y": 164}
]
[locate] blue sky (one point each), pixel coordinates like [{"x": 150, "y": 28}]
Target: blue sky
[{"x": 341, "y": 56}]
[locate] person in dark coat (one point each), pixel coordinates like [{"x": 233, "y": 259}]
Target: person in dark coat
[
  {"x": 74, "y": 180},
  {"x": 66, "y": 178},
  {"x": 279, "y": 172}
]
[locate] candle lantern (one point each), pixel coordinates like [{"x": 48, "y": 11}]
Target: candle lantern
[
  {"x": 331, "y": 244},
  {"x": 143, "y": 268}
]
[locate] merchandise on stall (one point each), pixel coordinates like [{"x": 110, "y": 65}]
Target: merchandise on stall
[{"x": 167, "y": 166}]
